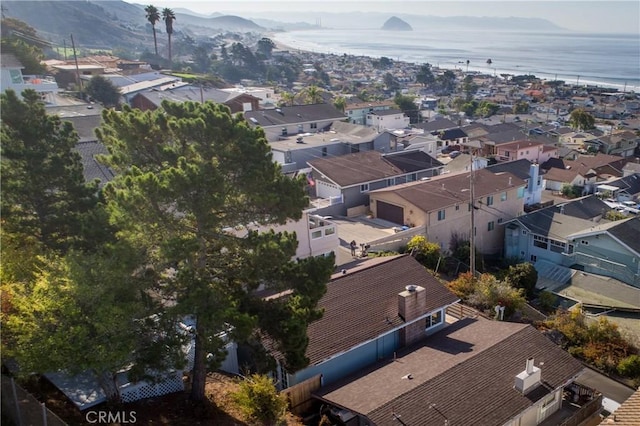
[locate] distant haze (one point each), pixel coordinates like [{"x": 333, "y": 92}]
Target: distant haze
[{"x": 584, "y": 16}]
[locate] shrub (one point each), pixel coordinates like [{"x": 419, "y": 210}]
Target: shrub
[
  {"x": 629, "y": 366},
  {"x": 259, "y": 400},
  {"x": 547, "y": 300},
  {"x": 427, "y": 253},
  {"x": 524, "y": 276}
]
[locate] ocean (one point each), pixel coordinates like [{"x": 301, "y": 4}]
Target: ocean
[{"x": 607, "y": 60}]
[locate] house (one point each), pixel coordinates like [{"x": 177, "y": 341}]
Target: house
[
  {"x": 622, "y": 143},
  {"x": 575, "y": 235},
  {"x": 530, "y": 150},
  {"x": 67, "y": 75},
  {"x": 352, "y": 176},
  {"x": 586, "y": 171},
  {"x": 387, "y": 119},
  {"x": 292, "y": 120},
  {"x": 576, "y": 140},
  {"x": 11, "y": 77},
  {"x": 450, "y": 137},
  {"x": 611, "y": 249},
  {"x": 357, "y": 111},
  {"x": 472, "y": 372},
  {"x": 293, "y": 152},
  {"x": 443, "y": 206},
  {"x": 527, "y": 171},
  {"x": 436, "y": 125},
  {"x": 236, "y": 101},
  {"x": 623, "y": 189},
  {"x": 371, "y": 311}
]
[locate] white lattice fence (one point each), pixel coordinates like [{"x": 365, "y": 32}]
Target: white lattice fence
[{"x": 135, "y": 391}]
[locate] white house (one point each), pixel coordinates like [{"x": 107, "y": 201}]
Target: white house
[
  {"x": 387, "y": 119},
  {"x": 11, "y": 77}
]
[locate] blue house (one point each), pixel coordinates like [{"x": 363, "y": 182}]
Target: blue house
[{"x": 371, "y": 311}]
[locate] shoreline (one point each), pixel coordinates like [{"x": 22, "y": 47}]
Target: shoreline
[{"x": 578, "y": 80}]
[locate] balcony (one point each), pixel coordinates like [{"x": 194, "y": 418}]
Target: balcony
[{"x": 579, "y": 403}]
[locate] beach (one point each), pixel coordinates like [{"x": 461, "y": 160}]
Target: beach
[{"x": 576, "y": 58}]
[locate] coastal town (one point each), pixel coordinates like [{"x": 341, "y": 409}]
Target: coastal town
[{"x": 481, "y": 231}]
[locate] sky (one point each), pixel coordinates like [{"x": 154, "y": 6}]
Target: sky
[{"x": 584, "y": 15}]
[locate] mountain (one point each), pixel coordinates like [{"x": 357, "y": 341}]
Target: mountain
[
  {"x": 396, "y": 24},
  {"x": 109, "y": 24}
]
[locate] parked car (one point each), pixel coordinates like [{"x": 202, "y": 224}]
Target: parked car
[{"x": 454, "y": 154}]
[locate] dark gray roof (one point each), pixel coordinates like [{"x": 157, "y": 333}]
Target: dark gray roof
[
  {"x": 630, "y": 184},
  {"x": 382, "y": 112},
  {"x": 294, "y": 114},
  {"x": 368, "y": 166},
  {"x": 519, "y": 168},
  {"x": 467, "y": 370},
  {"x": 436, "y": 125},
  {"x": 588, "y": 207},
  {"x": 92, "y": 169},
  {"x": 363, "y": 304},
  {"x": 450, "y": 134},
  {"x": 628, "y": 232},
  {"x": 412, "y": 161},
  {"x": 85, "y": 126}
]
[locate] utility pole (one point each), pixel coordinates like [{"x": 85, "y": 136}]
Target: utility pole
[
  {"x": 472, "y": 239},
  {"x": 64, "y": 46},
  {"x": 75, "y": 57}
]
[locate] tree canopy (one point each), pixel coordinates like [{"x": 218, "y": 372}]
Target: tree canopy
[
  {"x": 188, "y": 175},
  {"x": 44, "y": 194},
  {"x": 581, "y": 120},
  {"x": 103, "y": 91}
]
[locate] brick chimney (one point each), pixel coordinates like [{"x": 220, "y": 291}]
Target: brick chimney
[{"x": 412, "y": 303}]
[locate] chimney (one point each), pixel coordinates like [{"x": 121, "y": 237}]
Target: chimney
[
  {"x": 529, "y": 379},
  {"x": 412, "y": 304}
]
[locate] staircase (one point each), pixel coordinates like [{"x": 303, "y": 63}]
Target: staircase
[{"x": 551, "y": 275}]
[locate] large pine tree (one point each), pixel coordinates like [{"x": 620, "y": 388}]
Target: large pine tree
[
  {"x": 189, "y": 176},
  {"x": 44, "y": 194}
]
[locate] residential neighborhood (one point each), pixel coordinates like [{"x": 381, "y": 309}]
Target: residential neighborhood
[{"x": 346, "y": 228}]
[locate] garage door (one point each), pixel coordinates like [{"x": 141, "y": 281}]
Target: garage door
[{"x": 390, "y": 212}]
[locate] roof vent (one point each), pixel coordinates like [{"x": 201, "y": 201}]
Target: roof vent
[{"x": 411, "y": 288}]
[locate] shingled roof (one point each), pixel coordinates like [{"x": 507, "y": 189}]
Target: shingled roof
[
  {"x": 467, "y": 370},
  {"x": 294, "y": 114},
  {"x": 367, "y": 166},
  {"x": 442, "y": 191},
  {"x": 362, "y": 304}
]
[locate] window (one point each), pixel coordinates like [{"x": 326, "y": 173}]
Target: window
[
  {"x": 434, "y": 319},
  {"x": 316, "y": 234},
  {"x": 570, "y": 249},
  {"x": 557, "y": 246},
  {"x": 329, "y": 231},
  {"x": 16, "y": 76},
  {"x": 506, "y": 154},
  {"x": 412, "y": 177},
  {"x": 491, "y": 226},
  {"x": 284, "y": 131},
  {"x": 457, "y": 207},
  {"x": 313, "y": 125},
  {"x": 324, "y": 151},
  {"x": 503, "y": 196},
  {"x": 490, "y": 200},
  {"x": 364, "y": 187},
  {"x": 500, "y": 220},
  {"x": 524, "y": 232},
  {"x": 391, "y": 181},
  {"x": 540, "y": 242},
  {"x": 534, "y": 257},
  {"x": 300, "y": 128},
  {"x": 521, "y": 192},
  {"x": 441, "y": 214}
]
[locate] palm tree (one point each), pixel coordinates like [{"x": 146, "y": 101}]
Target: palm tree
[
  {"x": 468, "y": 65},
  {"x": 286, "y": 99},
  {"x": 153, "y": 16},
  {"x": 312, "y": 94},
  {"x": 168, "y": 17},
  {"x": 489, "y": 62}
]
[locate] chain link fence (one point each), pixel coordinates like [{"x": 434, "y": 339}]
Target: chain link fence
[{"x": 23, "y": 409}]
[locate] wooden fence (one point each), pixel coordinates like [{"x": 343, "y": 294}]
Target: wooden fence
[{"x": 299, "y": 395}]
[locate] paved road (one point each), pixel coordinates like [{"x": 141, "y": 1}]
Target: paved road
[{"x": 609, "y": 388}]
